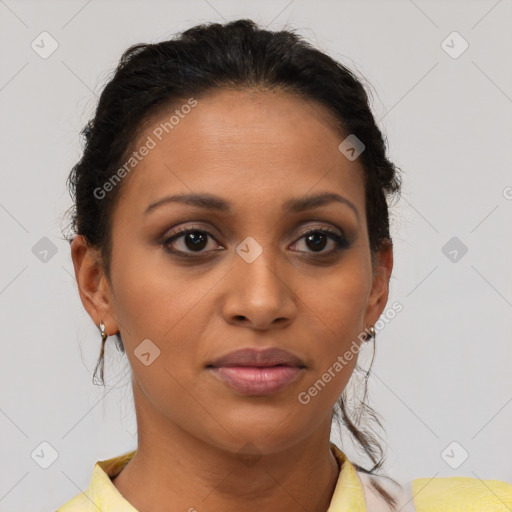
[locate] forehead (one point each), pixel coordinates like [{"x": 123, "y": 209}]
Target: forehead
[{"x": 245, "y": 144}]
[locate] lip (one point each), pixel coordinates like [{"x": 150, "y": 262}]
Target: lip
[
  {"x": 258, "y": 358},
  {"x": 257, "y": 372}
]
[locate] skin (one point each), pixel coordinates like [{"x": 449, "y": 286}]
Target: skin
[{"x": 255, "y": 149}]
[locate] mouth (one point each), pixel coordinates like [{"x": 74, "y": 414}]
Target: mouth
[{"x": 257, "y": 372}]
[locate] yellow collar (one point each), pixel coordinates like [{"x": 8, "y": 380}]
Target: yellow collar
[
  {"x": 102, "y": 493},
  {"x": 354, "y": 491},
  {"x": 348, "y": 493}
]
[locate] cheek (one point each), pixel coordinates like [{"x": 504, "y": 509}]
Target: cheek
[
  {"x": 324, "y": 387},
  {"x": 151, "y": 297},
  {"x": 341, "y": 298},
  {"x": 152, "y": 311},
  {"x": 337, "y": 313},
  {"x": 164, "y": 304}
]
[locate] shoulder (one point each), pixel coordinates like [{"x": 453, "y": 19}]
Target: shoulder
[
  {"x": 461, "y": 493},
  {"x": 102, "y": 495},
  {"x": 464, "y": 494},
  {"x": 80, "y": 503}
]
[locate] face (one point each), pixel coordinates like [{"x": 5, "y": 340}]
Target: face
[{"x": 258, "y": 267}]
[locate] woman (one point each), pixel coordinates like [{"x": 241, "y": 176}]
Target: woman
[{"x": 231, "y": 231}]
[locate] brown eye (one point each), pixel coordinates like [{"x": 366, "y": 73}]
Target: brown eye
[
  {"x": 317, "y": 240},
  {"x": 195, "y": 240},
  {"x": 187, "y": 241}
]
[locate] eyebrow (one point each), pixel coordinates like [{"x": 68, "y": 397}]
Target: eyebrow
[{"x": 211, "y": 202}]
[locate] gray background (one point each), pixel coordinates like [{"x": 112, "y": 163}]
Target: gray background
[{"x": 442, "y": 371}]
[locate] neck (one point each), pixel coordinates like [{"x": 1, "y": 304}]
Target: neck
[{"x": 172, "y": 469}]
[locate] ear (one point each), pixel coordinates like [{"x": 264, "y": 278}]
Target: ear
[
  {"x": 92, "y": 284},
  {"x": 378, "y": 298}
]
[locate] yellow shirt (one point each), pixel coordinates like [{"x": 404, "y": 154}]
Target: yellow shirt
[{"x": 354, "y": 492}]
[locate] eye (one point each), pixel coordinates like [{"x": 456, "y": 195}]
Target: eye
[
  {"x": 189, "y": 241},
  {"x": 317, "y": 239}
]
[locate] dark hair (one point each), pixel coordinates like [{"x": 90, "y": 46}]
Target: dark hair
[{"x": 209, "y": 57}]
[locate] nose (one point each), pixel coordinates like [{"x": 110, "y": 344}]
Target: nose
[{"x": 259, "y": 294}]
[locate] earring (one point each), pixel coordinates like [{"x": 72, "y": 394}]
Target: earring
[
  {"x": 372, "y": 337},
  {"x": 104, "y": 334},
  {"x": 100, "y": 363},
  {"x": 104, "y": 337}
]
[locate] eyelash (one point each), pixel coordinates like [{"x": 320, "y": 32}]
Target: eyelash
[{"x": 340, "y": 241}]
